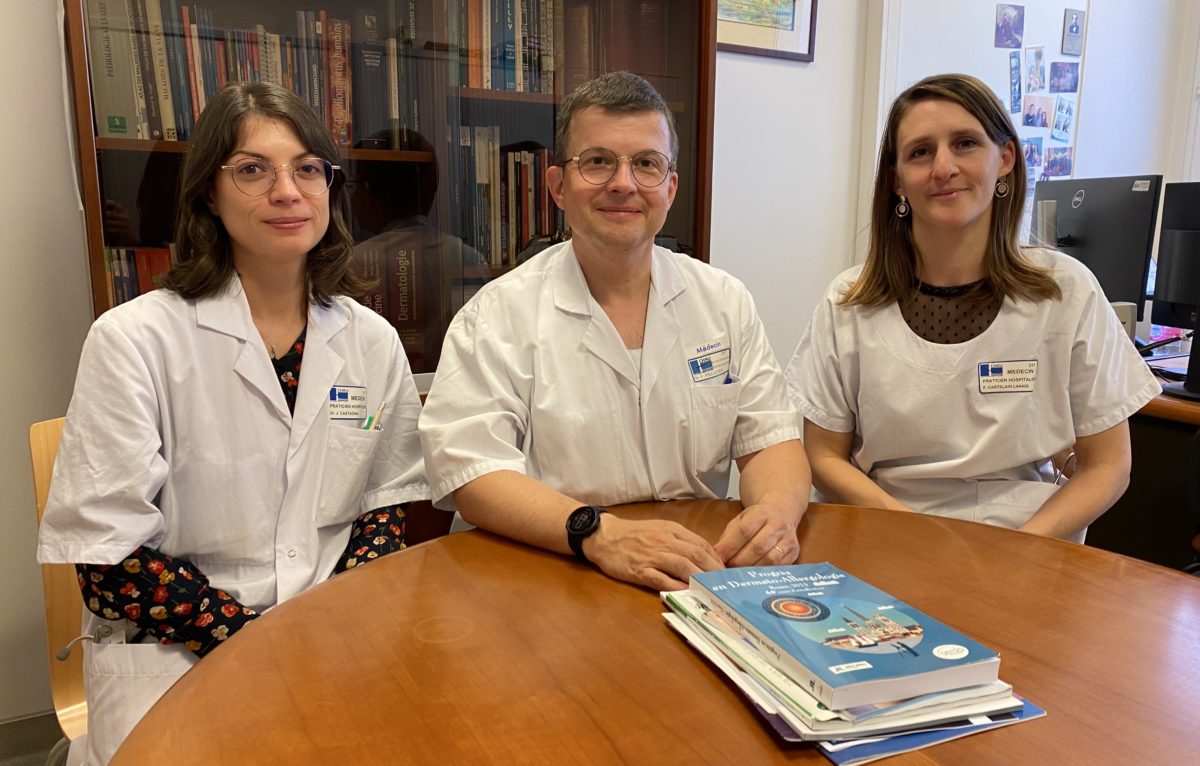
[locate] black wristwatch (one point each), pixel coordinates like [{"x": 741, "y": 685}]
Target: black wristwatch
[{"x": 582, "y": 523}]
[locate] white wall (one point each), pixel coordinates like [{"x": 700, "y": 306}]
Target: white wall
[
  {"x": 795, "y": 143},
  {"x": 1138, "y": 70},
  {"x": 958, "y": 36},
  {"x": 1139, "y": 65},
  {"x": 785, "y": 170},
  {"x": 45, "y": 309}
]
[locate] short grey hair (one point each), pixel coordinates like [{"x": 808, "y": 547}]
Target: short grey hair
[{"x": 620, "y": 92}]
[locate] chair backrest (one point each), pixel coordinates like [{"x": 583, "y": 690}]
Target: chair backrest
[{"x": 64, "y": 604}]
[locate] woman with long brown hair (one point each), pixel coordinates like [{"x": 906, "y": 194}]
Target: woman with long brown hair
[{"x": 944, "y": 374}]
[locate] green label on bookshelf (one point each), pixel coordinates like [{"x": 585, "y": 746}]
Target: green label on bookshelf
[{"x": 116, "y": 124}]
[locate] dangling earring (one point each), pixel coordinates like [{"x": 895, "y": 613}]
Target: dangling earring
[
  {"x": 902, "y": 207},
  {"x": 1002, "y": 189}
]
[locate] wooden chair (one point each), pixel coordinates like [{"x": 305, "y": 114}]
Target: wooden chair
[{"x": 64, "y": 604}]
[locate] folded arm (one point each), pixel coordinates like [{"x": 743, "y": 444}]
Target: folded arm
[{"x": 169, "y": 599}]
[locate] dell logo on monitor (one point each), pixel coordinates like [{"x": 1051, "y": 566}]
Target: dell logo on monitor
[{"x": 1077, "y": 200}]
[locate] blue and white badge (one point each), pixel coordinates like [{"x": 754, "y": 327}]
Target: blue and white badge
[
  {"x": 1013, "y": 377},
  {"x": 348, "y": 403},
  {"x": 710, "y": 360}
]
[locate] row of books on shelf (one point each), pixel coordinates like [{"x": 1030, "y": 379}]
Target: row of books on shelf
[
  {"x": 155, "y": 64},
  {"x": 825, "y": 657},
  {"x": 132, "y": 271},
  {"x": 523, "y": 45},
  {"x": 501, "y": 44},
  {"x": 501, "y": 197}
]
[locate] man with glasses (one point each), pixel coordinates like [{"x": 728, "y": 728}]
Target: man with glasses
[{"x": 608, "y": 370}]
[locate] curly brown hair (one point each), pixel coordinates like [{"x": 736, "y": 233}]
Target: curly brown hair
[{"x": 203, "y": 258}]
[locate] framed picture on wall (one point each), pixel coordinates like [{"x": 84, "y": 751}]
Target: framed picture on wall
[
  {"x": 1072, "y": 37},
  {"x": 1064, "y": 77},
  {"x": 785, "y": 29},
  {"x": 1010, "y": 25}
]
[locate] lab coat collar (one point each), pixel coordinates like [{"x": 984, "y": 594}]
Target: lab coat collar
[
  {"x": 600, "y": 337},
  {"x": 229, "y": 313}
]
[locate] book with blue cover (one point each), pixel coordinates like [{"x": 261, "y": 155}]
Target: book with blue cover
[
  {"x": 793, "y": 725},
  {"x": 844, "y": 641}
]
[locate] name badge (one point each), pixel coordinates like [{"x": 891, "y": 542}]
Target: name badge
[
  {"x": 710, "y": 360},
  {"x": 1007, "y": 377},
  {"x": 348, "y": 403}
]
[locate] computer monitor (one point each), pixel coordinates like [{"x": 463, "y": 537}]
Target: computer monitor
[
  {"x": 1107, "y": 223},
  {"x": 1177, "y": 284}
]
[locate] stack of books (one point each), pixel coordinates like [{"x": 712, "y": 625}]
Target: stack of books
[{"x": 827, "y": 658}]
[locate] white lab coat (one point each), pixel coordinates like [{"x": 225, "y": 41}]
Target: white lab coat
[
  {"x": 924, "y": 428},
  {"x": 534, "y": 378},
  {"x": 178, "y": 437}
]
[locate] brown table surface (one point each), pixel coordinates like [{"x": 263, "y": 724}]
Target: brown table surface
[
  {"x": 473, "y": 649},
  {"x": 1173, "y": 408}
]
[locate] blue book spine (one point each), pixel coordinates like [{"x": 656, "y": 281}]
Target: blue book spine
[
  {"x": 453, "y": 43},
  {"x": 302, "y": 81},
  {"x": 177, "y": 67},
  {"x": 510, "y": 47},
  {"x": 496, "y": 54},
  {"x": 316, "y": 65},
  {"x": 208, "y": 51},
  {"x": 369, "y": 54}
]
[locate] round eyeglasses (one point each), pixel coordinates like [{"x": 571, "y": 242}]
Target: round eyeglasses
[
  {"x": 598, "y": 166},
  {"x": 312, "y": 176}
]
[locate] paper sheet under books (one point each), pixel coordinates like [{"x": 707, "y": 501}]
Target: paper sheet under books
[
  {"x": 865, "y": 751},
  {"x": 792, "y": 729}
]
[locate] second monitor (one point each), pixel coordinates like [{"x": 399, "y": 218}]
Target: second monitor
[
  {"x": 1107, "y": 223},
  {"x": 1177, "y": 287}
]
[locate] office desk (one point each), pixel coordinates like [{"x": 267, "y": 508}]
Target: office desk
[
  {"x": 1172, "y": 408},
  {"x": 474, "y": 650},
  {"x": 1153, "y": 520}
]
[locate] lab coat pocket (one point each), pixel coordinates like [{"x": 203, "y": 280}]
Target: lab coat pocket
[
  {"x": 714, "y": 414},
  {"x": 348, "y": 458},
  {"x": 1010, "y": 502},
  {"x": 123, "y": 683}
]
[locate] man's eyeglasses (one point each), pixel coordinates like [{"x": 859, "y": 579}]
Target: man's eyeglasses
[
  {"x": 598, "y": 166},
  {"x": 312, "y": 176}
]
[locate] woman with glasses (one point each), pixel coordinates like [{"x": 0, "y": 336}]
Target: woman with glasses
[
  {"x": 239, "y": 435},
  {"x": 946, "y": 373}
]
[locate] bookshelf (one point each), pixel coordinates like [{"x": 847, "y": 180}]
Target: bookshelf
[{"x": 444, "y": 145}]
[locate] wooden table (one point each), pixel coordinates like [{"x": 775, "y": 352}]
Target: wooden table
[{"x": 474, "y": 650}]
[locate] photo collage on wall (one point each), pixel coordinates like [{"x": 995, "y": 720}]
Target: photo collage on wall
[
  {"x": 1043, "y": 99},
  {"x": 1043, "y": 88}
]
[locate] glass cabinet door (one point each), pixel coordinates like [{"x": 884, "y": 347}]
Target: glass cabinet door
[{"x": 443, "y": 111}]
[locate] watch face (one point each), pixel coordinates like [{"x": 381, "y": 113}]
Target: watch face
[{"x": 582, "y": 520}]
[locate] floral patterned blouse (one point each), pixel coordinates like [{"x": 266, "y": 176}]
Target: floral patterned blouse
[{"x": 169, "y": 600}]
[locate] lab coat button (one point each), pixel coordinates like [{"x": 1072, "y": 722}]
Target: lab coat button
[{"x": 292, "y": 553}]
